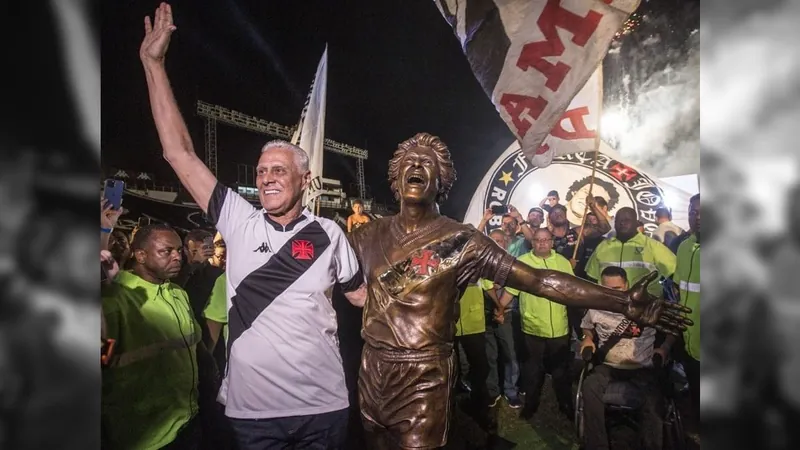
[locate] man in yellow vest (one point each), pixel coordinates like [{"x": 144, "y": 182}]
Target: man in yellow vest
[
  {"x": 631, "y": 250},
  {"x": 216, "y": 314},
  {"x": 471, "y": 338},
  {"x": 546, "y": 330},
  {"x": 687, "y": 279},
  {"x": 150, "y": 385}
]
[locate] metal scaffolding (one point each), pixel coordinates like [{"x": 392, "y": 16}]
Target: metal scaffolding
[
  {"x": 211, "y": 145},
  {"x": 216, "y": 113},
  {"x": 362, "y": 187}
]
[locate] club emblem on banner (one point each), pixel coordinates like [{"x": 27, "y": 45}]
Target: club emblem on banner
[{"x": 516, "y": 182}]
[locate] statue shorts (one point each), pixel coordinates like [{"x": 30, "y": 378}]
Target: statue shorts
[{"x": 406, "y": 401}]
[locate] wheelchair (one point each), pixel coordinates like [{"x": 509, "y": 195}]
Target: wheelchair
[{"x": 623, "y": 399}]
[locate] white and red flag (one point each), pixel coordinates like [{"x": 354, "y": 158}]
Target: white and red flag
[{"x": 533, "y": 57}]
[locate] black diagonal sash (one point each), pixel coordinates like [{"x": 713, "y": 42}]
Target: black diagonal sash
[
  {"x": 262, "y": 286},
  {"x": 613, "y": 339}
]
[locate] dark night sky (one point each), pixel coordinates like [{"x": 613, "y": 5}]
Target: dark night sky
[{"x": 393, "y": 71}]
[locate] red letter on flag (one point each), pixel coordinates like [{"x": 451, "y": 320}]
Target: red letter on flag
[
  {"x": 553, "y": 15},
  {"x": 575, "y": 117},
  {"x": 516, "y": 105}
]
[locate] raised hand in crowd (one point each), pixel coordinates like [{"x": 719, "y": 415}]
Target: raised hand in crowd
[
  {"x": 108, "y": 220},
  {"x": 487, "y": 216},
  {"x": 524, "y": 227},
  {"x": 109, "y": 265},
  {"x": 603, "y": 225}
]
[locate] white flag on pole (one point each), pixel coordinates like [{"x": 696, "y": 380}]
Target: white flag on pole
[{"x": 310, "y": 133}]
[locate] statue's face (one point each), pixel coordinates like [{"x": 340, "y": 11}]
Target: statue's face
[{"x": 419, "y": 176}]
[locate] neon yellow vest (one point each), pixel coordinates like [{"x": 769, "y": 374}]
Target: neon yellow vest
[
  {"x": 217, "y": 307},
  {"x": 540, "y": 316},
  {"x": 687, "y": 277},
  {"x": 150, "y": 387},
  {"x": 639, "y": 256},
  {"x": 471, "y": 319}
]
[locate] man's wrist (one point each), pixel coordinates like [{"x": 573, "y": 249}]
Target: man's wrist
[
  {"x": 619, "y": 300},
  {"x": 154, "y": 71},
  {"x": 106, "y": 230},
  {"x": 152, "y": 64}
]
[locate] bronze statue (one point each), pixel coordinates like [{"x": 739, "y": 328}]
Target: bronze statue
[{"x": 416, "y": 264}]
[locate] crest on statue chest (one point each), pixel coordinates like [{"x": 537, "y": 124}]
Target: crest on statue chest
[{"x": 410, "y": 265}]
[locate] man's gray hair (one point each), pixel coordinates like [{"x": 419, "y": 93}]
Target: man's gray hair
[{"x": 300, "y": 155}]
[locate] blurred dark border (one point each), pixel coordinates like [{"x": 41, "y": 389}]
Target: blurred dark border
[
  {"x": 757, "y": 412},
  {"x": 57, "y": 405}
]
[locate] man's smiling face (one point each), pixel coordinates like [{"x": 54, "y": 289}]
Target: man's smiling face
[{"x": 280, "y": 181}]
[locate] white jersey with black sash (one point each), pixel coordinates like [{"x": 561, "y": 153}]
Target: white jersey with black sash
[{"x": 283, "y": 349}]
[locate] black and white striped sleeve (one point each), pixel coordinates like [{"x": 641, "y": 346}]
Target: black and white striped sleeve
[{"x": 226, "y": 209}]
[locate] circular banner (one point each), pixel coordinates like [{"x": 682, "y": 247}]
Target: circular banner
[{"x": 514, "y": 181}]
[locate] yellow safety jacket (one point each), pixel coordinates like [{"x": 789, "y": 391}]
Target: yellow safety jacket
[
  {"x": 540, "y": 316},
  {"x": 217, "y": 307},
  {"x": 687, "y": 277},
  {"x": 150, "y": 385},
  {"x": 471, "y": 319},
  {"x": 639, "y": 256}
]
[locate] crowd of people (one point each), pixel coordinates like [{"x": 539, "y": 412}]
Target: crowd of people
[
  {"x": 541, "y": 336},
  {"x": 185, "y": 279},
  {"x": 242, "y": 351}
]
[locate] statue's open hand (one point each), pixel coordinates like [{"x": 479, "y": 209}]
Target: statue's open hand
[
  {"x": 157, "y": 35},
  {"x": 651, "y": 311}
]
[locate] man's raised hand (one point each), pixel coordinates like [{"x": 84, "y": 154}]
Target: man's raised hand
[{"x": 157, "y": 35}]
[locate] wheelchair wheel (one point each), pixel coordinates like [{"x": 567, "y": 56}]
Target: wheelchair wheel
[
  {"x": 579, "y": 422},
  {"x": 674, "y": 433}
]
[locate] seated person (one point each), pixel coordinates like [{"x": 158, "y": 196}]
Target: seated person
[
  {"x": 629, "y": 359},
  {"x": 358, "y": 217}
]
